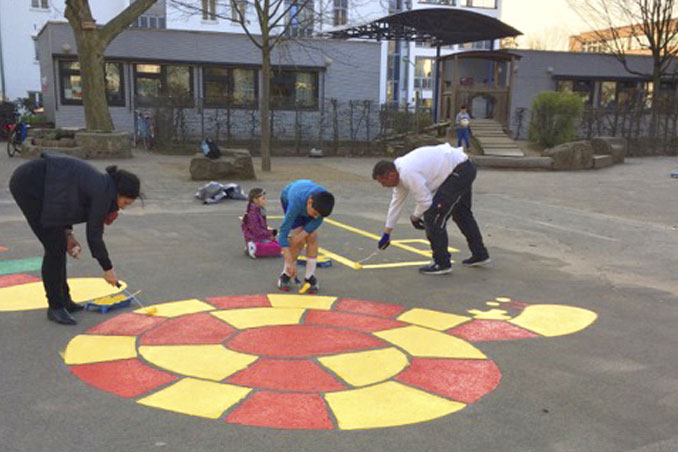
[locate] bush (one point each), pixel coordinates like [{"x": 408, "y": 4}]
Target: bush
[
  {"x": 554, "y": 116},
  {"x": 407, "y": 121}
]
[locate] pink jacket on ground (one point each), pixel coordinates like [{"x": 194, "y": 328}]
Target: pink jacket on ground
[{"x": 254, "y": 226}]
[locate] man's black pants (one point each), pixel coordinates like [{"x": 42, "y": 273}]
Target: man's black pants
[
  {"x": 27, "y": 186},
  {"x": 453, "y": 198}
]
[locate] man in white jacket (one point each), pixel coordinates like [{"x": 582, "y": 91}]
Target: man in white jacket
[{"x": 440, "y": 179}]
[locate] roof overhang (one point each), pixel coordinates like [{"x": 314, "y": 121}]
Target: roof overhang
[{"x": 439, "y": 26}]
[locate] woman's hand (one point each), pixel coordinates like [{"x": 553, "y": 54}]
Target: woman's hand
[
  {"x": 111, "y": 278},
  {"x": 72, "y": 246}
]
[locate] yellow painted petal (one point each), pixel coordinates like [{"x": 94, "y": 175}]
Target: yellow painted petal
[
  {"x": 197, "y": 398},
  {"x": 255, "y": 317},
  {"x": 301, "y": 301},
  {"x": 212, "y": 362},
  {"x": 24, "y": 297},
  {"x": 177, "y": 308},
  {"x": 490, "y": 314},
  {"x": 90, "y": 348},
  {"x": 423, "y": 342},
  {"x": 369, "y": 367},
  {"x": 554, "y": 320},
  {"x": 432, "y": 319},
  {"x": 387, "y": 405}
]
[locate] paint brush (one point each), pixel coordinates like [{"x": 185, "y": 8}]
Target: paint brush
[{"x": 360, "y": 263}]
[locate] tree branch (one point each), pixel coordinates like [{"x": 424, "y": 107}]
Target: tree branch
[{"x": 123, "y": 20}]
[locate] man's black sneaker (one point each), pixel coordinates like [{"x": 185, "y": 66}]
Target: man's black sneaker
[
  {"x": 476, "y": 261},
  {"x": 284, "y": 283},
  {"x": 435, "y": 269},
  {"x": 72, "y": 307},
  {"x": 61, "y": 316},
  {"x": 313, "y": 281}
]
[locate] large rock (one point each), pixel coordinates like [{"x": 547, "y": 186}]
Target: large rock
[
  {"x": 234, "y": 164},
  {"x": 571, "y": 156},
  {"x": 616, "y": 147},
  {"x": 102, "y": 145}
]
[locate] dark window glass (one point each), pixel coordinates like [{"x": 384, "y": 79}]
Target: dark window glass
[
  {"x": 71, "y": 83},
  {"x": 582, "y": 88},
  {"x": 292, "y": 89},
  {"x": 225, "y": 86},
  {"x": 154, "y": 82}
]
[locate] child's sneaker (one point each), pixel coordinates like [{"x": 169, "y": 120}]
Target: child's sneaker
[
  {"x": 313, "y": 281},
  {"x": 252, "y": 249},
  {"x": 284, "y": 283},
  {"x": 477, "y": 261}
]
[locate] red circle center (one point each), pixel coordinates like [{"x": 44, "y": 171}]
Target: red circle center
[{"x": 301, "y": 340}]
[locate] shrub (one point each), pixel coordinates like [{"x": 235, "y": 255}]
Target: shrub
[{"x": 554, "y": 116}]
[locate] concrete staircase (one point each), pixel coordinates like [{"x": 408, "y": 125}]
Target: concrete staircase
[{"x": 493, "y": 140}]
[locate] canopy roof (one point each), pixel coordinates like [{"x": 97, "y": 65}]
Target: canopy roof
[{"x": 439, "y": 26}]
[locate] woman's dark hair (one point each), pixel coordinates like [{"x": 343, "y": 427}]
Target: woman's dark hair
[
  {"x": 255, "y": 193},
  {"x": 323, "y": 202},
  {"x": 127, "y": 184}
]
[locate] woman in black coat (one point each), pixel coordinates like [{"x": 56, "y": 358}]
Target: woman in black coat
[{"x": 54, "y": 193}]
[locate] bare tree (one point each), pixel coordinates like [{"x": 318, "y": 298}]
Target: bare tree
[
  {"x": 649, "y": 24},
  {"x": 92, "y": 42},
  {"x": 276, "y": 21}
]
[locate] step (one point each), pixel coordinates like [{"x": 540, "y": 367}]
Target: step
[
  {"x": 488, "y": 161},
  {"x": 503, "y": 152},
  {"x": 602, "y": 161}
]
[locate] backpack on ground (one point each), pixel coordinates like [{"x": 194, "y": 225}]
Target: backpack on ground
[{"x": 210, "y": 149}]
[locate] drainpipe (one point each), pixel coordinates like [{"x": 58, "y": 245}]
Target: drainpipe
[
  {"x": 436, "y": 87},
  {"x": 2, "y": 67}
]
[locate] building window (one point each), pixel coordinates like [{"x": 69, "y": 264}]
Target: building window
[
  {"x": 582, "y": 88},
  {"x": 423, "y": 73},
  {"x": 209, "y": 9},
  {"x": 36, "y": 48},
  {"x": 608, "y": 94},
  {"x": 153, "y": 82},
  {"x": 292, "y": 89},
  {"x": 40, "y": 4},
  {"x": 154, "y": 17},
  {"x": 340, "y": 12},
  {"x": 440, "y": 2},
  {"x": 487, "y": 4},
  {"x": 238, "y": 10},
  {"x": 234, "y": 87},
  {"x": 71, "y": 83},
  {"x": 299, "y": 18}
]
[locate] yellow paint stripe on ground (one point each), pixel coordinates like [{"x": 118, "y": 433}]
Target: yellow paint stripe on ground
[
  {"x": 387, "y": 405},
  {"x": 90, "y": 348},
  {"x": 177, "y": 308},
  {"x": 432, "y": 319},
  {"x": 423, "y": 342},
  {"x": 554, "y": 320},
  {"x": 256, "y": 317},
  {"x": 341, "y": 259},
  {"x": 212, "y": 362},
  {"x": 24, "y": 297},
  {"x": 301, "y": 301},
  {"x": 365, "y": 368},
  {"x": 197, "y": 398},
  {"x": 396, "y": 265}
]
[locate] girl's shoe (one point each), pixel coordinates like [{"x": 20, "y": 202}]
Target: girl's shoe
[{"x": 252, "y": 249}]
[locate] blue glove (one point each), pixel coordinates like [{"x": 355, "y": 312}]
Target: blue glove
[{"x": 385, "y": 241}]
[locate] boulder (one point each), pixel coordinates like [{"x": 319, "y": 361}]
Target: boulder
[
  {"x": 571, "y": 156},
  {"x": 102, "y": 145},
  {"x": 234, "y": 164},
  {"x": 616, "y": 147}
]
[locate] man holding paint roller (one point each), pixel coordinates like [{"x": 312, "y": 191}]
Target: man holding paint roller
[
  {"x": 305, "y": 204},
  {"x": 54, "y": 193},
  {"x": 440, "y": 178}
]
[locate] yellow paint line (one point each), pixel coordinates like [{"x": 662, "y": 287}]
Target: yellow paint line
[
  {"x": 211, "y": 362},
  {"x": 177, "y": 308},
  {"x": 432, "y": 319},
  {"x": 341, "y": 259},
  {"x": 256, "y": 317},
  {"x": 422, "y": 342},
  {"x": 554, "y": 320},
  {"x": 90, "y": 348},
  {"x": 365, "y": 368},
  {"x": 352, "y": 229},
  {"x": 301, "y": 301},
  {"x": 387, "y": 405},
  {"x": 197, "y": 398}
]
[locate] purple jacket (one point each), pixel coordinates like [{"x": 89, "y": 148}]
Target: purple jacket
[{"x": 254, "y": 226}]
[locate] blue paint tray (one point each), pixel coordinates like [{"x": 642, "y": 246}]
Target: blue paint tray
[
  {"x": 323, "y": 261},
  {"x": 109, "y": 302}
]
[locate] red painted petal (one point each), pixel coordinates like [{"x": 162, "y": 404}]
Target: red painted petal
[
  {"x": 16, "y": 279},
  {"x": 301, "y": 340},
  {"x": 369, "y": 307},
  {"x": 349, "y": 320},
  {"x": 200, "y": 328},
  {"x": 465, "y": 380},
  {"x": 127, "y": 378},
  {"x": 248, "y": 301},
  {"x": 127, "y": 324},
  {"x": 490, "y": 330},
  {"x": 283, "y": 410},
  {"x": 286, "y": 375}
]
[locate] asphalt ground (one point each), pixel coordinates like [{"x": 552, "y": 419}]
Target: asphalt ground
[{"x": 601, "y": 240}]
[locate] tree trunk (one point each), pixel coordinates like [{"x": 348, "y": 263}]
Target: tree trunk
[
  {"x": 656, "y": 101},
  {"x": 265, "y": 142},
  {"x": 92, "y": 73}
]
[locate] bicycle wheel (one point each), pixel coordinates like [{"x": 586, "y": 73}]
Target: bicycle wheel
[{"x": 12, "y": 146}]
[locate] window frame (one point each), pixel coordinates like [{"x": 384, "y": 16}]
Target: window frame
[
  {"x": 111, "y": 102},
  {"x": 162, "y": 77},
  {"x": 288, "y": 105},
  {"x": 209, "y": 10},
  {"x": 574, "y": 81},
  {"x": 230, "y": 87},
  {"x": 340, "y": 12},
  {"x": 42, "y": 5}
]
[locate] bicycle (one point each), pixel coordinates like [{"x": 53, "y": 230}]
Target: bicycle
[
  {"x": 16, "y": 134},
  {"x": 144, "y": 130}
]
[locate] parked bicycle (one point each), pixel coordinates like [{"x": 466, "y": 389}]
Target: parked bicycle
[
  {"x": 16, "y": 134},
  {"x": 144, "y": 129}
]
